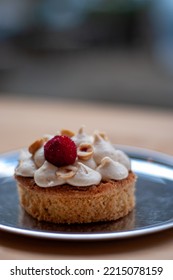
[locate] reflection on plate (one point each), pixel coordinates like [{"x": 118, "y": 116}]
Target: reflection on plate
[
  {"x": 153, "y": 211},
  {"x": 126, "y": 222}
]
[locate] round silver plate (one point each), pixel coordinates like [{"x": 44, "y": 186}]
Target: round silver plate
[{"x": 153, "y": 211}]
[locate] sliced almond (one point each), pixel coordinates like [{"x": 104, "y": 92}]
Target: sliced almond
[
  {"x": 36, "y": 145},
  {"x": 67, "y": 132},
  {"x": 85, "y": 151}
]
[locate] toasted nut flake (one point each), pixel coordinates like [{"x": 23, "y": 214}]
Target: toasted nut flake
[
  {"x": 85, "y": 151},
  {"x": 103, "y": 135},
  {"x": 67, "y": 132},
  {"x": 46, "y": 138},
  {"x": 81, "y": 129},
  {"x": 97, "y": 138},
  {"x": 66, "y": 172},
  {"x": 36, "y": 145}
]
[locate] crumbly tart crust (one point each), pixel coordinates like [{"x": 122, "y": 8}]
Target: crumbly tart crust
[{"x": 107, "y": 201}]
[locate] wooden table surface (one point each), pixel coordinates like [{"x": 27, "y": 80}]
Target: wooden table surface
[{"x": 24, "y": 120}]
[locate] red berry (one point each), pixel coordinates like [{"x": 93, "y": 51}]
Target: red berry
[{"x": 60, "y": 151}]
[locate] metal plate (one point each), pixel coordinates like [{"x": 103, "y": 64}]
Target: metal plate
[{"x": 153, "y": 211}]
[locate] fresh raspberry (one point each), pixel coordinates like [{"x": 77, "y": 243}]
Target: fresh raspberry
[{"x": 60, "y": 151}]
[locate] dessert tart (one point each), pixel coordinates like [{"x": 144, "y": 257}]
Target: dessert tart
[{"x": 75, "y": 178}]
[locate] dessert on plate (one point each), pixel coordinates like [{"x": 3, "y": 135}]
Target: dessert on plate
[{"x": 75, "y": 178}]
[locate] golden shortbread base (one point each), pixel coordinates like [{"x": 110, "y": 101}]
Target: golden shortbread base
[{"x": 107, "y": 201}]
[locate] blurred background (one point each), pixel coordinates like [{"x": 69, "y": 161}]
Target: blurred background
[{"x": 118, "y": 51}]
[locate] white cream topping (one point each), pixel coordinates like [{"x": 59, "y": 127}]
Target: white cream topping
[
  {"x": 84, "y": 176},
  {"x": 90, "y": 163},
  {"x": 39, "y": 157},
  {"x": 102, "y": 148},
  {"x": 122, "y": 158},
  {"x": 26, "y": 168},
  {"x": 106, "y": 163},
  {"x": 24, "y": 154},
  {"x": 46, "y": 176},
  {"x": 82, "y": 137},
  {"x": 110, "y": 169}
]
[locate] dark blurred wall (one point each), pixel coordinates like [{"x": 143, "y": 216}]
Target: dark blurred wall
[{"x": 102, "y": 50}]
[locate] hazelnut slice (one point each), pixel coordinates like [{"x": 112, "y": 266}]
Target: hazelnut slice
[
  {"x": 85, "y": 151},
  {"x": 36, "y": 145},
  {"x": 66, "y": 172},
  {"x": 67, "y": 132}
]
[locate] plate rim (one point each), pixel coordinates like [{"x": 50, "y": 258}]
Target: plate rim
[{"x": 89, "y": 237}]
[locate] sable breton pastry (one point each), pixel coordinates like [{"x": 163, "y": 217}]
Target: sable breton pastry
[{"x": 75, "y": 178}]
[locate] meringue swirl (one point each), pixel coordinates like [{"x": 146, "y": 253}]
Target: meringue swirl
[{"x": 103, "y": 164}]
